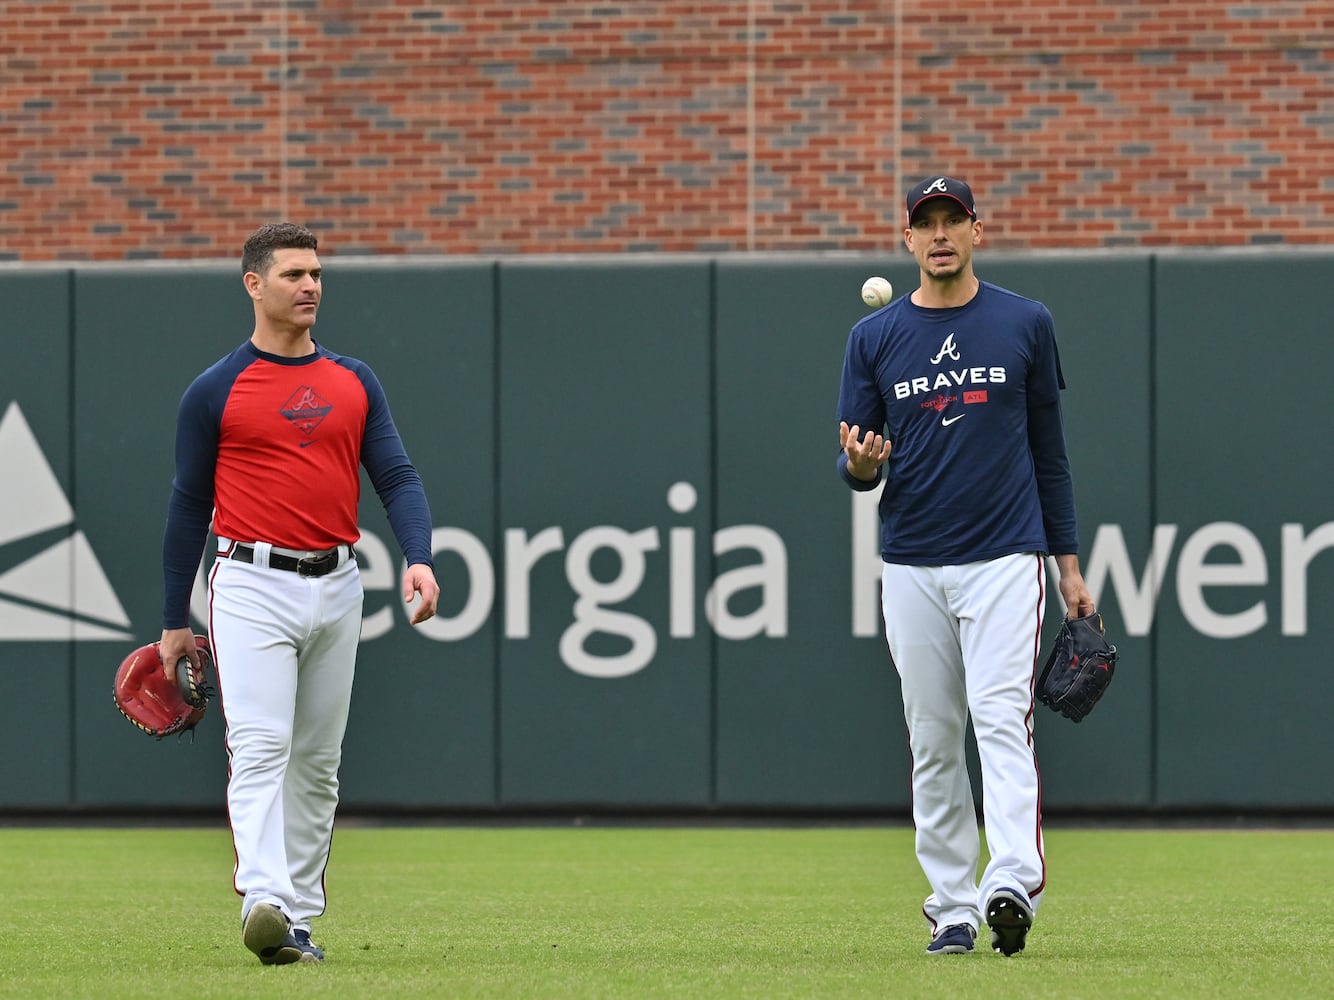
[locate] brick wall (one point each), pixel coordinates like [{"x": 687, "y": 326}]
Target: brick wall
[{"x": 156, "y": 129}]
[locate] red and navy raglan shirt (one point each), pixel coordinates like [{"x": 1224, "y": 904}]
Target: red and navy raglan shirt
[{"x": 268, "y": 448}]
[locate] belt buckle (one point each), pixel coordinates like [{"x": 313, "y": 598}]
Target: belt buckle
[{"x": 318, "y": 566}]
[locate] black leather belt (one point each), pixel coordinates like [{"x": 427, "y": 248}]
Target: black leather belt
[{"x": 320, "y": 564}]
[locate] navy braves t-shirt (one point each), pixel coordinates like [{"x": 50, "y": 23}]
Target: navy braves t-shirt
[{"x": 970, "y": 398}]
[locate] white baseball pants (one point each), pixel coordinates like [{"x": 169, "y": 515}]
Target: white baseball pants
[
  {"x": 286, "y": 648},
  {"x": 965, "y": 641}
]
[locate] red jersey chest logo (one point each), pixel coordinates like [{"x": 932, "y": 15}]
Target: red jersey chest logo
[{"x": 306, "y": 408}]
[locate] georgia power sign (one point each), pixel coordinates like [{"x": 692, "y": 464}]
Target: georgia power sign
[{"x": 62, "y": 593}]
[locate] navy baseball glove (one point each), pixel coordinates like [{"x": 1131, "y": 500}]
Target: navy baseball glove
[{"x": 1079, "y": 668}]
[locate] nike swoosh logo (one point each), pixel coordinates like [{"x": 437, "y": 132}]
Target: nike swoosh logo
[
  {"x": 946, "y": 421},
  {"x": 303, "y": 444}
]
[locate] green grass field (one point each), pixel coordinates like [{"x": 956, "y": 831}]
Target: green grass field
[{"x": 640, "y": 913}]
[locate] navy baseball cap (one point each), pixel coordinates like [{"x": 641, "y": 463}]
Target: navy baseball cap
[{"x": 941, "y": 187}]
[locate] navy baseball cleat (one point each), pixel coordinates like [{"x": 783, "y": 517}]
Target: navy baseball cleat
[
  {"x": 310, "y": 952},
  {"x": 267, "y": 933},
  {"x": 956, "y": 939},
  {"x": 1009, "y": 916}
]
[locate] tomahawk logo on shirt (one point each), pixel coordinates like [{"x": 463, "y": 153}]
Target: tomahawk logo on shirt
[
  {"x": 305, "y": 408},
  {"x": 947, "y": 350}
]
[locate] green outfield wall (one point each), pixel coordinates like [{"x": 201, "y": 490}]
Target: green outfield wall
[{"x": 657, "y": 594}]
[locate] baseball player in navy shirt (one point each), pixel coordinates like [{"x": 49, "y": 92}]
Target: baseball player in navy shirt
[
  {"x": 953, "y": 391},
  {"x": 269, "y": 441}
]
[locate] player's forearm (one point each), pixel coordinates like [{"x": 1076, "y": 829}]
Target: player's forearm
[
  {"x": 1067, "y": 564},
  {"x": 409, "y": 516},
  {"x": 1051, "y": 467},
  {"x": 182, "y": 548}
]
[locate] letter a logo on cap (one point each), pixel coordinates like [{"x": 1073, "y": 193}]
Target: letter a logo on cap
[{"x": 940, "y": 187}]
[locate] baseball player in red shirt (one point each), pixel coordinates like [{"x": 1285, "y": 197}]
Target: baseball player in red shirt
[{"x": 269, "y": 441}]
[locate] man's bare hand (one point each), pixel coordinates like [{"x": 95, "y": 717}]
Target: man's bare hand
[
  {"x": 865, "y": 455},
  {"x": 419, "y": 579}
]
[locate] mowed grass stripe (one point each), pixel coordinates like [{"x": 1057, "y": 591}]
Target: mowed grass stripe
[{"x": 640, "y": 913}]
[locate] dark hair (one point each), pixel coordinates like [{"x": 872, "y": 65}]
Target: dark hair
[{"x": 259, "y": 247}]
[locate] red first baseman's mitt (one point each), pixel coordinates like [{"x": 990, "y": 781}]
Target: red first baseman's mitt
[{"x": 161, "y": 705}]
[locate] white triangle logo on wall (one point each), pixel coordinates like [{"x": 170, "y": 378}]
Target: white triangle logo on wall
[{"x": 63, "y": 593}]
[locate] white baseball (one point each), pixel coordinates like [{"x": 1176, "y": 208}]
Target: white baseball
[{"x": 877, "y": 292}]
